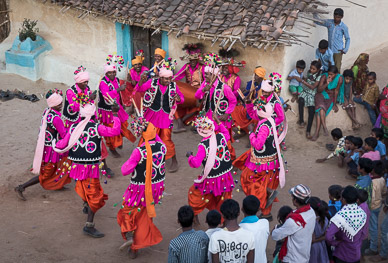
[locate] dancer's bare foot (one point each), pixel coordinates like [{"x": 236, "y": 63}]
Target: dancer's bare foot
[
  {"x": 115, "y": 154},
  {"x": 174, "y": 165}
]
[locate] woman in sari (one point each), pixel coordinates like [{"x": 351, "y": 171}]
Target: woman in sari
[
  {"x": 330, "y": 92},
  {"x": 360, "y": 71}
]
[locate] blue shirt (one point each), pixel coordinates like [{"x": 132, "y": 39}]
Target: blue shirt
[
  {"x": 294, "y": 82},
  {"x": 381, "y": 148},
  {"x": 337, "y": 34},
  {"x": 325, "y": 58},
  {"x": 355, "y": 157},
  {"x": 249, "y": 85},
  {"x": 190, "y": 247},
  {"x": 334, "y": 207}
]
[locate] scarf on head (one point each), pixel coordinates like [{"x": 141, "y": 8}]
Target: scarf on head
[
  {"x": 149, "y": 134},
  {"x": 299, "y": 221},
  {"x": 54, "y": 100},
  {"x": 260, "y": 72},
  {"x": 86, "y": 111},
  {"x": 81, "y": 77},
  {"x": 350, "y": 219},
  {"x": 206, "y": 132}
]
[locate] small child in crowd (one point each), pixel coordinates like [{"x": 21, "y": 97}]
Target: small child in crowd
[
  {"x": 364, "y": 181},
  {"x": 295, "y": 77},
  {"x": 379, "y": 135},
  {"x": 369, "y": 97},
  {"x": 324, "y": 54},
  {"x": 379, "y": 190},
  {"x": 369, "y": 149},
  {"x": 318, "y": 252},
  {"x": 240, "y": 242},
  {"x": 284, "y": 211},
  {"x": 340, "y": 150},
  {"x": 335, "y": 203},
  {"x": 349, "y": 105},
  {"x": 213, "y": 220},
  {"x": 259, "y": 228},
  {"x": 352, "y": 145}
]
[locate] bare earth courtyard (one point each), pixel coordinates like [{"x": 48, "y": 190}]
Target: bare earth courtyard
[{"x": 48, "y": 227}]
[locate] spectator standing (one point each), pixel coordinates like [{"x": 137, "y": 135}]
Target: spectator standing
[{"x": 324, "y": 54}]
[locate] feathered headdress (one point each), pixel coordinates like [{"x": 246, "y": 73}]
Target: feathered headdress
[
  {"x": 118, "y": 61},
  {"x": 169, "y": 64},
  {"x": 203, "y": 122},
  {"x": 212, "y": 60},
  {"x": 79, "y": 69},
  {"x": 228, "y": 59},
  {"x": 193, "y": 51},
  {"x": 276, "y": 80}
]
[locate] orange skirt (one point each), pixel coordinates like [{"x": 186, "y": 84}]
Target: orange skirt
[
  {"x": 257, "y": 184},
  {"x": 240, "y": 161},
  {"x": 116, "y": 141},
  {"x": 90, "y": 191},
  {"x": 127, "y": 94},
  {"x": 240, "y": 119},
  {"x": 165, "y": 136},
  {"x": 55, "y": 176},
  {"x": 199, "y": 202},
  {"x": 146, "y": 234}
]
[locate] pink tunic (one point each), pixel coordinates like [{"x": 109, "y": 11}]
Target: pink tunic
[
  {"x": 135, "y": 193},
  {"x": 85, "y": 171},
  {"x": 373, "y": 155},
  {"x": 181, "y": 73},
  {"x": 49, "y": 155},
  {"x": 159, "y": 119},
  {"x": 107, "y": 116},
  {"x": 220, "y": 184},
  {"x": 74, "y": 106},
  {"x": 258, "y": 141},
  {"x": 279, "y": 118},
  {"x": 236, "y": 84},
  {"x": 200, "y": 94},
  {"x": 137, "y": 76}
]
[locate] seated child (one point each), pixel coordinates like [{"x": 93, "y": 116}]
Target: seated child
[
  {"x": 324, "y": 55},
  {"x": 295, "y": 77},
  {"x": 364, "y": 181},
  {"x": 336, "y": 134},
  {"x": 369, "y": 149},
  {"x": 352, "y": 155},
  {"x": 284, "y": 211},
  {"x": 349, "y": 105},
  {"x": 213, "y": 220},
  {"x": 379, "y": 135},
  {"x": 335, "y": 203},
  {"x": 259, "y": 228}
]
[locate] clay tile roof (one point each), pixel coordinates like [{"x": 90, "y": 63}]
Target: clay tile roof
[{"x": 251, "y": 22}]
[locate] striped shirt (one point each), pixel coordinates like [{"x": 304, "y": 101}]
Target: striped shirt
[{"x": 189, "y": 247}]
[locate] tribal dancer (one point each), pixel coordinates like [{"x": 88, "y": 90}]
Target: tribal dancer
[
  {"x": 230, "y": 68},
  {"x": 160, "y": 101},
  {"x": 46, "y": 160},
  {"x": 109, "y": 91},
  {"x": 215, "y": 184}
]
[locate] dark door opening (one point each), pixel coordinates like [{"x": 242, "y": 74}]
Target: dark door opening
[{"x": 143, "y": 39}]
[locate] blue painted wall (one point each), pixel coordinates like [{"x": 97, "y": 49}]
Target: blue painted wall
[
  {"x": 124, "y": 42},
  {"x": 165, "y": 42}
]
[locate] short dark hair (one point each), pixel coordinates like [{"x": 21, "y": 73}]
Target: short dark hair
[
  {"x": 333, "y": 69},
  {"x": 251, "y": 205},
  {"x": 284, "y": 211},
  {"x": 357, "y": 141},
  {"x": 339, "y": 12},
  {"x": 319, "y": 209},
  {"x": 348, "y": 73},
  {"x": 186, "y": 216},
  {"x": 230, "y": 209},
  {"x": 323, "y": 44},
  {"x": 335, "y": 191},
  {"x": 301, "y": 64},
  {"x": 371, "y": 141},
  {"x": 362, "y": 195},
  {"x": 350, "y": 194},
  {"x": 378, "y": 167},
  {"x": 365, "y": 164},
  {"x": 213, "y": 218},
  {"x": 336, "y": 133},
  {"x": 372, "y": 74},
  {"x": 378, "y": 132},
  {"x": 349, "y": 138},
  {"x": 316, "y": 63},
  {"x": 299, "y": 200}
]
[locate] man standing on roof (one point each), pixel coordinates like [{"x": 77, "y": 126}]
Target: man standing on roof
[{"x": 337, "y": 31}]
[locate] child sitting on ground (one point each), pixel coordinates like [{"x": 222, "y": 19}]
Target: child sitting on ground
[
  {"x": 349, "y": 105},
  {"x": 336, "y": 134},
  {"x": 379, "y": 190},
  {"x": 369, "y": 97},
  {"x": 284, "y": 211},
  {"x": 335, "y": 203},
  {"x": 213, "y": 220},
  {"x": 379, "y": 135},
  {"x": 352, "y": 156},
  {"x": 259, "y": 228},
  {"x": 369, "y": 149},
  {"x": 295, "y": 77},
  {"x": 364, "y": 181}
]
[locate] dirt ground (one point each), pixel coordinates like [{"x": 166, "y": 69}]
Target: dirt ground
[{"x": 48, "y": 227}]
